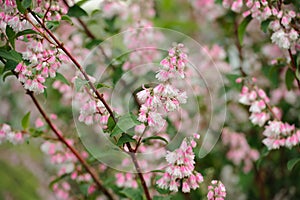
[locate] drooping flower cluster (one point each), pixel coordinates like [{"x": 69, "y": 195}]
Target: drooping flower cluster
[
  {"x": 239, "y": 149},
  {"x": 164, "y": 95},
  {"x": 8, "y": 17},
  {"x": 91, "y": 109},
  {"x": 181, "y": 168},
  {"x": 278, "y": 134},
  {"x": 216, "y": 191},
  {"x": 44, "y": 62},
  {"x": 284, "y": 35},
  {"x": 42, "y": 58},
  {"x": 66, "y": 163},
  {"x": 257, "y": 100},
  {"x": 7, "y": 134},
  {"x": 53, "y": 10}
]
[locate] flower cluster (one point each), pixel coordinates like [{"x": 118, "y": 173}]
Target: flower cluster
[
  {"x": 257, "y": 100},
  {"x": 141, "y": 40},
  {"x": 207, "y": 9},
  {"x": 42, "y": 59},
  {"x": 216, "y": 191},
  {"x": 7, "y": 134},
  {"x": 126, "y": 180},
  {"x": 278, "y": 134},
  {"x": 52, "y": 10},
  {"x": 113, "y": 9},
  {"x": 8, "y": 17},
  {"x": 284, "y": 35},
  {"x": 181, "y": 168},
  {"x": 59, "y": 156},
  {"x": 91, "y": 109},
  {"x": 164, "y": 95},
  {"x": 239, "y": 149},
  {"x": 66, "y": 163}
]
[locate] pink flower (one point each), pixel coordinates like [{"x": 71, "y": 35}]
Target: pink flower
[
  {"x": 216, "y": 191},
  {"x": 181, "y": 167}
]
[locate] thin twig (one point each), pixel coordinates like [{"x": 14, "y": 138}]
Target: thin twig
[{"x": 294, "y": 66}]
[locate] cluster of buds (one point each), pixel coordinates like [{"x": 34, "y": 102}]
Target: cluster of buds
[
  {"x": 181, "y": 168},
  {"x": 216, "y": 191},
  {"x": 284, "y": 35},
  {"x": 278, "y": 134},
  {"x": 164, "y": 95},
  {"x": 239, "y": 149},
  {"x": 7, "y": 134}
]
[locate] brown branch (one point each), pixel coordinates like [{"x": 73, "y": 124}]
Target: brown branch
[
  {"x": 99, "y": 96},
  {"x": 61, "y": 46},
  {"x": 294, "y": 66},
  {"x": 87, "y": 31},
  {"x": 57, "y": 132},
  {"x": 239, "y": 48},
  {"x": 138, "y": 169}
]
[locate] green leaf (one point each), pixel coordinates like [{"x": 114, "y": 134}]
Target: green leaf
[
  {"x": 10, "y": 65},
  {"x": 93, "y": 43},
  {"x": 26, "y": 121},
  {"x": 291, "y": 163},
  {"x": 80, "y": 3},
  {"x": 57, "y": 180},
  {"x": 17, "y": 56},
  {"x": 26, "y": 3},
  {"x": 7, "y": 74},
  {"x": 131, "y": 193},
  {"x": 232, "y": 81},
  {"x": 146, "y": 140},
  {"x": 20, "y": 7},
  {"x": 26, "y": 32},
  {"x": 124, "y": 123},
  {"x": 76, "y": 11},
  {"x": 35, "y": 132},
  {"x": 161, "y": 198},
  {"x": 79, "y": 83},
  {"x": 242, "y": 28},
  {"x": 67, "y": 19},
  {"x": 52, "y": 24},
  {"x": 45, "y": 94},
  {"x": 265, "y": 25},
  {"x": 10, "y": 34},
  {"x": 61, "y": 78},
  {"x": 298, "y": 74},
  {"x": 101, "y": 85},
  {"x": 110, "y": 123},
  {"x": 289, "y": 79},
  {"x": 10, "y": 55},
  {"x": 124, "y": 139}
]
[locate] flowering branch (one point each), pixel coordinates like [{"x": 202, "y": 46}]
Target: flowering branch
[
  {"x": 61, "y": 46},
  {"x": 57, "y": 132},
  {"x": 99, "y": 96}
]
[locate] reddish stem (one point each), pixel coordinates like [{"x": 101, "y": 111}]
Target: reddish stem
[
  {"x": 99, "y": 96},
  {"x": 57, "y": 132}
]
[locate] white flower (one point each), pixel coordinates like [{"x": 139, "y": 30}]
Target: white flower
[
  {"x": 143, "y": 95},
  {"x": 279, "y": 37},
  {"x": 293, "y": 34},
  {"x": 171, "y": 157}
]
